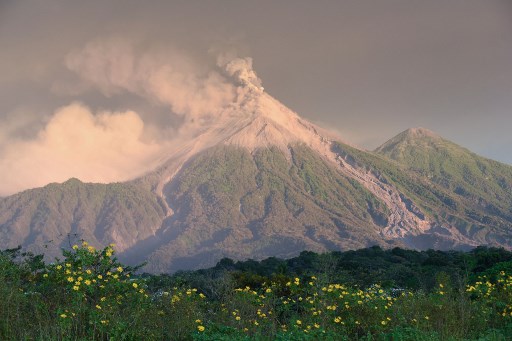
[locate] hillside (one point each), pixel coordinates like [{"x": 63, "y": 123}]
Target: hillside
[
  {"x": 481, "y": 188},
  {"x": 43, "y": 218},
  {"x": 261, "y": 181},
  {"x": 227, "y": 202}
]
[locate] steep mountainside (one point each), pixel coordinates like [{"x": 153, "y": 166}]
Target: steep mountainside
[
  {"x": 481, "y": 188},
  {"x": 43, "y": 218},
  {"x": 455, "y": 221},
  {"x": 228, "y": 202},
  {"x": 257, "y": 181}
]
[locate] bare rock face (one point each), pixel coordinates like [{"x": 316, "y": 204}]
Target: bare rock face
[{"x": 261, "y": 181}]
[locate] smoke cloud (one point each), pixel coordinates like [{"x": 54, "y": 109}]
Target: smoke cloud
[
  {"x": 240, "y": 69},
  {"x": 106, "y": 146},
  {"x": 168, "y": 78},
  {"x": 97, "y": 147}
]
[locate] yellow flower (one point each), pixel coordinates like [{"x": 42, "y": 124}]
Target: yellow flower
[
  {"x": 268, "y": 290},
  {"x": 108, "y": 254},
  {"x": 383, "y": 323},
  {"x": 237, "y": 318},
  {"x": 103, "y": 299},
  {"x": 71, "y": 279},
  {"x": 63, "y": 316},
  {"x": 75, "y": 287},
  {"x": 98, "y": 307},
  {"x": 298, "y": 322},
  {"x": 198, "y": 321},
  {"x": 100, "y": 276},
  {"x": 87, "y": 282},
  {"x": 68, "y": 265},
  {"x": 59, "y": 267},
  {"x": 75, "y": 247},
  {"x": 135, "y": 285},
  {"x": 120, "y": 269},
  {"x": 45, "y": 275},
  {"x": 426, "y": 317},
  {"x": 200, "y": 328},
  {"x": 88, "y": 271}
]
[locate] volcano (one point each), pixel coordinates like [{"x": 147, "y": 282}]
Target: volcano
[{"x": 258, "y": 181}]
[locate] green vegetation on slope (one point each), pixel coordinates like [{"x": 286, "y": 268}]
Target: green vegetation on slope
[
  {"x": 472, "y": 215},
  {"x": 228, "y": 202},
  {"x": 485, "y": 185},
  {"x": 96, "y": 212}
]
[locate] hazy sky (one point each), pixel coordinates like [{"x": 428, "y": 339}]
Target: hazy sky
[{"x": 104, "y": 87}]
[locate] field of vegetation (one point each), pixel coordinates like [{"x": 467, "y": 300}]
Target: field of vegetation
[{"x": 370, "y": 294}]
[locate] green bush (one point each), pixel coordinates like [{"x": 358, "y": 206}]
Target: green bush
[{"x": 89, "y": 295}]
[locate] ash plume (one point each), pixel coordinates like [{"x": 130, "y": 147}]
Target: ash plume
[
  {"x": 101, "y": 145},
  {"x": 241, "y": 70}
]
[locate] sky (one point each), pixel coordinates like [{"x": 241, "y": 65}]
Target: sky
[{"x": 99, "y": 90}]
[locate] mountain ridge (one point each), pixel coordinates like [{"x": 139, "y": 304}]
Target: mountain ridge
[{"x": 258, "y": 181}]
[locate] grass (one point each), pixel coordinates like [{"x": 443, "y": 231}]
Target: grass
[{"x": 89, "y": 295}]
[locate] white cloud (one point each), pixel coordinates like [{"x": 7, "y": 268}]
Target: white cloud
[{"x": 101, "y": 147}]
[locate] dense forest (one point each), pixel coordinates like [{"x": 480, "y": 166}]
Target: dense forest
[
  {"x": 394, "y": 268},
  {"x": 368, "y": 294}
]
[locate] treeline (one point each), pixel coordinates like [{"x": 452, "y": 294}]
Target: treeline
[{"x": 393, "y": 268}]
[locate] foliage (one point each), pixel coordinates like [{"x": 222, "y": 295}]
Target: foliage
[
  {"x": 475, "y": 186},
  {"x": 89, "y": 295}
]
